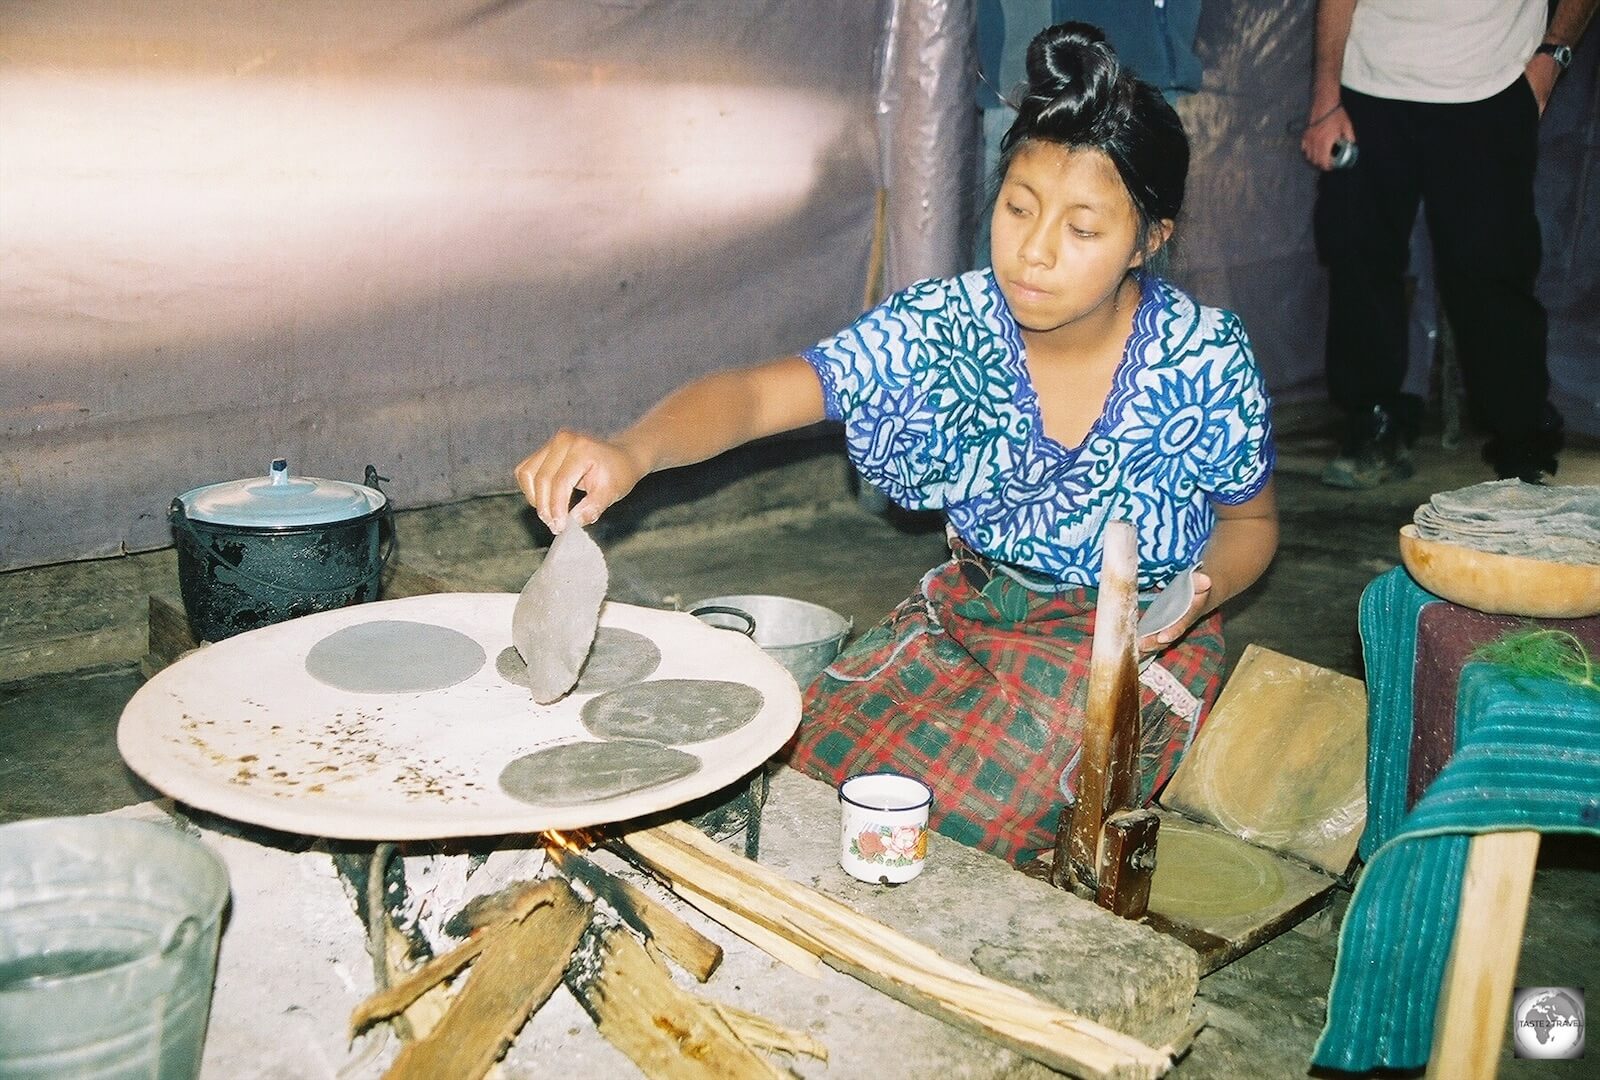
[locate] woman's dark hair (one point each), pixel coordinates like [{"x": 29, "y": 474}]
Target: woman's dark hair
[{"x": 1079, "y": 95}]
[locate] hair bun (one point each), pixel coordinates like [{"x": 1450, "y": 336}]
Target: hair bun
[
  {"x": 1072, "y": 76},
  {"x": 1070, "y": 56}
]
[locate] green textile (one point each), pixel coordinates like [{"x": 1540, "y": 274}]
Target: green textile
[
  {"x": 1390, "y": 608},
  {"x": 1527, "y": 757}
]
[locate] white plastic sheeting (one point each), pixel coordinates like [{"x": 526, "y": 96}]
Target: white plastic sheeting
[
  {"x": 421, "y": 233},
  {"x": 426, "y": 233}
]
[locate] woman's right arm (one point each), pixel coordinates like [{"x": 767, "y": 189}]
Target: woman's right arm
[{"x": 698, "y": 421}]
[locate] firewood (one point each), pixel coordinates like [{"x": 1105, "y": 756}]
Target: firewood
[
  {"x": 689, "y": 948},
  {"x": 893, "y": 963},
  {"x": 757, "y": 1030},
  {"x": 776, "y": 946},
  {"x": 667, "y": 1032},
  {"x": 417, "y": 982},
  {"x": 513, "y": 977}
]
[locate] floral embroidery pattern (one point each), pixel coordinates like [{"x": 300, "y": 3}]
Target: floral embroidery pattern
[
  {"x": 885, "y": 845},
  {"x": 941, "y": 413}
]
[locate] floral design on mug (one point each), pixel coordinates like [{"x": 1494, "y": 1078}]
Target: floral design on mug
[{"x": 886, "y": 845}]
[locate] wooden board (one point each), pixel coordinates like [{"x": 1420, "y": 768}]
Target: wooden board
[
  {"x": 1222, "y": 896},
  {"x": 1281, "y": 761}
]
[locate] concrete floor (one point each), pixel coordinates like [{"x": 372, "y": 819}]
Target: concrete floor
[{"x": 780, "y": 521}]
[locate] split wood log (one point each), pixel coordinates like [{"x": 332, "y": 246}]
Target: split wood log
[
  {"x": 512, "y": 978},
  {"x": 688, "y": 948},
  {"x": 1108, "y": 776},
  {"x": 893, "y": 963},
  {"x": 413, "y": 984},
  {"x": 776, "y": 946},
  {"x": 667, "y": 1032},
  {"x": 757, "y": 1030}
]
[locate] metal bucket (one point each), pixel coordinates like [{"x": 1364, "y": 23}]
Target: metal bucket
[
  {"x": 108, "y": 948},
  {"x": 803, "y": 637}
]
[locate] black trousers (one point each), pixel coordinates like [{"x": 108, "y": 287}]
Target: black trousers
[{"x": 1471, "y": 168}]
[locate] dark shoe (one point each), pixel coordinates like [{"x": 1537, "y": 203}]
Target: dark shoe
[
  {"x": 1528, "y": 457},
  {"x": 1374, "y": 452}
]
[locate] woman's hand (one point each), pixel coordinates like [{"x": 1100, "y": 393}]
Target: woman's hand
[
  {"x": 1329, "y": 127},
  {"x": 1198, "y": 608},
  {"x": 604, "y": 471}
]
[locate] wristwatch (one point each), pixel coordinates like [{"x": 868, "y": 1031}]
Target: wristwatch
[{"x": 1561, "y": 54}]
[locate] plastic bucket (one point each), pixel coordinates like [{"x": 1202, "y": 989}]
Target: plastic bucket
[
  {"x": 803, "y": 637},
  {"x": 108, "y": 948}
]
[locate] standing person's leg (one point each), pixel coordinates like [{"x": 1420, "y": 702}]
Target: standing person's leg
[
  {"x": 1364, "y": 218},
  {"x": 1478, "y": 196}
]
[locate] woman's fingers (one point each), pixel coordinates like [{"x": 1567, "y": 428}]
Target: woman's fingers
[
  {"x": 570, "y": 463},
  {"x": 1197, "y": 608}
]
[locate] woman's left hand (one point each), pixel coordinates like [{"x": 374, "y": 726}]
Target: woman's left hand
[{"x": 1152, "y": 643}]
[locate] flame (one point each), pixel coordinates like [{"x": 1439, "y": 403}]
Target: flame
[{"x": 559, "y": 842}]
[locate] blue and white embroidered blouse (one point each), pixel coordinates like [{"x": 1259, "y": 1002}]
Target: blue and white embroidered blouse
[{"x": 940, "y": 413}]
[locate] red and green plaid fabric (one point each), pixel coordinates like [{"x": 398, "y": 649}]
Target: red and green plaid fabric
[{"x": 976, "y": 685}]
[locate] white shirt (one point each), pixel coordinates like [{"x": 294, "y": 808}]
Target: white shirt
[{"x": 1441, "y": 50}]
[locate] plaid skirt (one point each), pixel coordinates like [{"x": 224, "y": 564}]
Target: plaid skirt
[{"x": 977, "y": 686}]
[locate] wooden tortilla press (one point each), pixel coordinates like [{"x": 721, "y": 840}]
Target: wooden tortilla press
[
  {"x": 1261, "y": 819},
  {"x": 1105, "y": 844}
]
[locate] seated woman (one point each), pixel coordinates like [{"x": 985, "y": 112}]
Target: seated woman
[{"x": 1033, "y": 402}]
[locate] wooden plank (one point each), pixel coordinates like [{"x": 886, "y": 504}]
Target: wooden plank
[
  {"x": 169, "y": 635},
  {"x": 664, "y": 1030},
  {"x": 400, "y": 580},
  {"x": 1127, "y": 862},
  {"x": 1108, "y": 777},
  {"x": 513, "y": 977},
  {"x": 1281, "y": 760},
  {"x": 893, "y": 963},
  {"x": 1474, "y": 999}
]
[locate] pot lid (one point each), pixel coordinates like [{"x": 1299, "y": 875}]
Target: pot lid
[{"x": 279, "y": 499}]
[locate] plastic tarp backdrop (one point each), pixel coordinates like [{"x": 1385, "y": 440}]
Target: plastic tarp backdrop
[{"x": 426, "y": 233}]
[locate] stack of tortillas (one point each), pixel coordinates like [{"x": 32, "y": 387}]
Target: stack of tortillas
[{"x": 1510, "y": 547}]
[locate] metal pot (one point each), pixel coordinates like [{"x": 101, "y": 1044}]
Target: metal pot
[
  {"x": 259, "y": 551},
  {"x": 803, "y": 637}
]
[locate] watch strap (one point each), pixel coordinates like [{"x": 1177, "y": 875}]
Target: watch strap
[{"x": 1561, "y": 54}]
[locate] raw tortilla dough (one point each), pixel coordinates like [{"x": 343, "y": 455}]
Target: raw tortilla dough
[
  {"x": 572, "y": 774},
  {"x": 619, "y": 657},
  {"x": 394, "y": 657},
  {"x": 673, "y": 712}
]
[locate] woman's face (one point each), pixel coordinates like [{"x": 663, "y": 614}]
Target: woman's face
[{"x": 1065, "y": 233}]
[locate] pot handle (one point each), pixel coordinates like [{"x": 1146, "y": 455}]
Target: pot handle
[
  {"x": 386, "y": 528},
  {"x": 749, "y": 628}
]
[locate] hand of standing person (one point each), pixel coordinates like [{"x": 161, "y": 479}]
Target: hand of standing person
[
  {"x": 1318, "y": 141},
  {"x": 1542, "y": 72}
]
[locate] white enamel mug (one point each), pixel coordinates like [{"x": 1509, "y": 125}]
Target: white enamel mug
[{"x": 883, "y": 834}]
